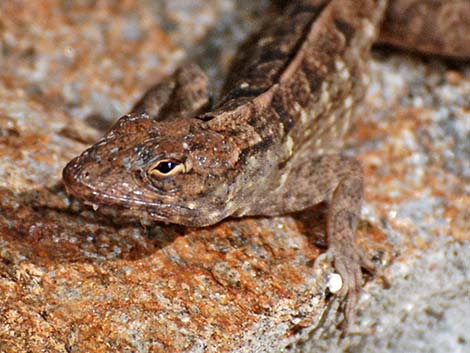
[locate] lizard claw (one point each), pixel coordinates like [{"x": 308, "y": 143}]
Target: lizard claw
[{"x": 348, "y": 263}]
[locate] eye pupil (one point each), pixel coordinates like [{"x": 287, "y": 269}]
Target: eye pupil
[{"x": 165, "y": 167}]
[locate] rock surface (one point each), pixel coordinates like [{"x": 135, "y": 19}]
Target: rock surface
[{"x": 71, "y": 281}]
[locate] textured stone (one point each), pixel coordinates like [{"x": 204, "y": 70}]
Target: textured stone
[{"x": 71, "y": 281}]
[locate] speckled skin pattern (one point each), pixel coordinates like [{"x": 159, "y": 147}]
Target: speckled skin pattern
[
  {"x": 440, "y": 27},
  {"x": 269, "y": 146}
]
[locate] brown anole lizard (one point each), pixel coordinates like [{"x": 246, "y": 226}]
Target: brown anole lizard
[{"x": 269, "y": 146}]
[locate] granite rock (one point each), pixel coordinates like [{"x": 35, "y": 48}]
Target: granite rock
[{"x": 72, "y": 281}]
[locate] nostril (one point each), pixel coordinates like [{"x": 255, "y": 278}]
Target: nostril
[{"x": 139, "y": 173}]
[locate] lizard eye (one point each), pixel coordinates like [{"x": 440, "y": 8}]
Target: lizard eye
[{"x": 166, "y": 167}]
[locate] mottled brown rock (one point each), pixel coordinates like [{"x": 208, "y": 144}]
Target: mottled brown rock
[{"x": 71, "y": 281}]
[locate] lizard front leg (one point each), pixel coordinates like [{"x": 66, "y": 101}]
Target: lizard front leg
[
  {"x": 338, "y": 179},
  {"x": 183, "y": 94},
  {"x": 343, "y": 252}
]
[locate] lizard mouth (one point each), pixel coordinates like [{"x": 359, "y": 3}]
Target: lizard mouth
[
  {"x": 124, "y": 208},
  {"x": 129, "y": 202}
]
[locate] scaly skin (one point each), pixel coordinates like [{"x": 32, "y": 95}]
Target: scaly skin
[
  {"x": 270, "y": 146},
  {"x": 292, "y": 98},
  {"x": 438, "y": 27}
]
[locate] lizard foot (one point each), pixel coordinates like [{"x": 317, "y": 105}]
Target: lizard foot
[{"x": 348, "y": 261}]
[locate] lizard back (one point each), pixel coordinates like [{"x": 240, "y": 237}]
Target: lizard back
[
  {"x": 297, "y": 80},
  {"x": 288, "y": 99}
]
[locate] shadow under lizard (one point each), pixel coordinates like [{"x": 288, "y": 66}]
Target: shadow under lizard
[{"x": 270, "y": 146}]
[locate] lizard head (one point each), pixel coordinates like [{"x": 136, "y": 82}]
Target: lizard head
[{"x": 177, "y": 172}]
